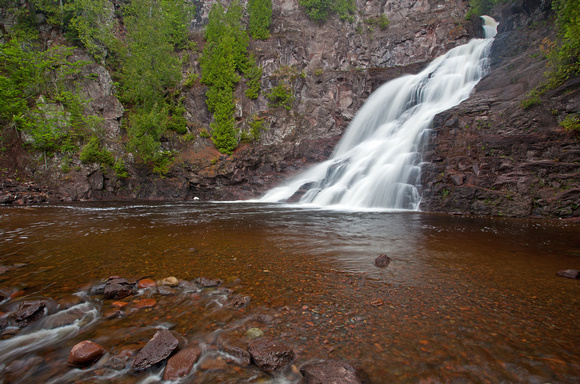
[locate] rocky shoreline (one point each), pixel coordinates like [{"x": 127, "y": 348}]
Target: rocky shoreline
[{"x": 167, "y": 354}]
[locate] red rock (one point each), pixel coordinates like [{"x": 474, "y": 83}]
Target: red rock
[
  {"x": 145, "y": 303},
  {"x": 181, "y": 363},
  {"x": 112, "y": 313},
  {"x": 146, "y": 283},
  {"x": 119, "y": 304},
  {"x": 85, "y": 353}
]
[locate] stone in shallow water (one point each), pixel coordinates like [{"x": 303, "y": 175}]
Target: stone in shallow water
[
  {"x": 170, "y": 281},
  {"x": 146, "y": 283},
  {"x": 206, "y": 283},
  {"x": 180, "y": 364},
  {"x": 85, "y": 353},
  {"x": 145, "y": 303},
  {"x": 329, "y": 372},
  {"x": 270, "y": 355},
  {"x": 254, "y": 333},
  {"x": 156, "y": 350},
  {"x": 569, "y": 273},
  {"x": 30, "y": 311},
  {"x": 382, "y": 261}
]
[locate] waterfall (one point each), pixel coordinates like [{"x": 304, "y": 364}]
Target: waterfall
[{"x": 377, "y": 163}]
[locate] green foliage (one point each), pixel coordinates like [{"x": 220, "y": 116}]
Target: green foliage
[
  {"x": 177, "y": 121},
  {"x": 481, "y": 7},
  {"x": 256, "y": 127},
  {"x": 532, "y": 99},
  {"x": 254, "y": 76},
  {"x": 146, "y": 126},
  {"x": 565, "y": 58},
  {"x": 93, "y": 153},
  {"x": 571, "y": 123},
  {"x": 224, "y": 54},
  {"x": 33, "y": 97},
  {"x": 260, "y": 17},
  {"x": 380, "y": 21},
  {"x": 281, "y": 96},
  {"x": 320, "y": 10},
  {"x": 93, "y": 25}
]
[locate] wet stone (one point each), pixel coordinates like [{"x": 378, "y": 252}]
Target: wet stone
[
  {"x": 156, "y": 350},
  {"x": 146, "y": 283},
  {"x": 269, "y": 354},
  {"x": 239, "y": 301},
  {"x": 117, "y": 291},
  {"x": 4, "y": 323},
  {"x": 329, "y": 372},
  {"x": 382, "y": 261},
  {"x": 235, "y": 348},
  {"x": 254, "y": 333},
  {"x": 170, "y": 281},
  {"x": 21, "y": 366},
  {"x": 85, "y": 353},
  {"x": 181, "y": 363},
  {"x": 69, "y": 301},
  {"x": 165, "y": 290},
  {"x": 145, "y": 303},
  {"x": 569, "y": 273},
  {"x": 30, "y": 311},
  {"x": 207, "y": 283}
]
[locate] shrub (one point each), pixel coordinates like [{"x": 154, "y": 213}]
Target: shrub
[
  {"x": 571, "y": 123},
  {"x": 260, "y": 17},
  {"x": 320, "y": 10},
  {"x": 281, "y": 96}
]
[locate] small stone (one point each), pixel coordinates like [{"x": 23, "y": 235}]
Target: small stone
[
  {"x": 30, "y": 311},
  {"x": 117, "y": 291},
  {"x": 156, "y": 350},
  {"x": 254, "y": 333},
  {"x": 207, "y": 283},
  {"x": 180, "y": 364},
  {"x": 213, "y": 364},
  {"x": 146, "y": 283},
  {"x": 382, "y": 261},
  {"x": 112, "y": 313},
  {"x": 170, "y": 281},
  {"x": 85, "y": 353},
  {"x": 234, "y": 347},
  {"x": 239, "y": 301},
  {"x": 69, "y": 301},
  {"x": 569, "y": 273},
  {"x": 165, "y": 290},
  {"x": 329, "y": 372},
  {"x": 270, "y": 355},
  {"x": 119, "y": 304},
  {"x": 145, "y": 303}
]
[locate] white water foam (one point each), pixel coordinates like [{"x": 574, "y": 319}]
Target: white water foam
[{"x": 377, "y": 163}]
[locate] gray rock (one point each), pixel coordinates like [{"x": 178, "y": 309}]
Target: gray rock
[
  {"x": 156, "y": 350},
  {"x": 329, "y": 372}
]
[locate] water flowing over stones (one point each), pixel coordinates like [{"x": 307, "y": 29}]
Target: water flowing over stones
[
  {"x": 377, "y": 162},
  {"x": 156, "y": 350}
]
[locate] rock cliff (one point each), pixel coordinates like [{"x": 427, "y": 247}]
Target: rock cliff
[{"x": 491, "y": 156}]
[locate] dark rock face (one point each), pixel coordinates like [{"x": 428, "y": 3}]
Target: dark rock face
[
  {"x": 85, "y": 353},
  {"x": 180, "y": 364},
  {"x": 382, "y": 261},
  {"x": 489, "y": 155},
  {"x": 569, "y": 273},
  {"x": 270, "y": 355},
  {"x": 329, "y": 372},
  {"x": 156, "y": 350}
]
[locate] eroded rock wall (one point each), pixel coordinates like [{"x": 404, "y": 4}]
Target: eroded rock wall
[{"x": 491, "y": 156}]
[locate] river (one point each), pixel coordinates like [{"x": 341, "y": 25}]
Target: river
[{"x": 465, "y": 299}]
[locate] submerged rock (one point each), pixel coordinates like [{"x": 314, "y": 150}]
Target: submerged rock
[
  {"x": 270, "y": 355},
  {"x": 382, "y": 261},
  {"x": 156, "y": 350},
  {"x": 85, "y": 353},
  {"x": 235, "y": 348},
  {"x": 239, "y": 301},
  {"x": 329, "y": 372},
  {"x": 181, "y": 363},
  {"x": 207, "y": 283},
  {"x": 254, "y": 333},
  {"x": 569, "y": 273}
]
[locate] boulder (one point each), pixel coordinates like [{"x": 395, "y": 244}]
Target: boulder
[
  {"x": 156, "y": 350},
  {"x": 270, "y": 355},
  {"x": 569, "y": 273},
  {"x": 180, "y": 364},
  {"x": 329, "y": 372},
  {"x": 85, "y": 353},
  {"x": 382, "y": 261}
]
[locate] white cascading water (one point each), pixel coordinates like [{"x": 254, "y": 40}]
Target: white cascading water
[{"x": 377, "y": 164}]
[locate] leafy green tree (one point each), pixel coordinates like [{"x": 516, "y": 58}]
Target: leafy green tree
[
  {"x": 565, "y": 59},
  {"x": 260, "y": 17}
]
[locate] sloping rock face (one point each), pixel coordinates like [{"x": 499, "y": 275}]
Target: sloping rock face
[{"x": 491, "y": 156}]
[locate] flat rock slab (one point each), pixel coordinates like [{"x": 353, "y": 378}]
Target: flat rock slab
[
  {"x": 569, "y": 273},
  {"x": 156, "y": 350},
  {"x": 329, "y": 372},
  {"x": 30, "y": 311},
  {"x": 269, "y": 354},
  {"x": 180, "y": 364}
]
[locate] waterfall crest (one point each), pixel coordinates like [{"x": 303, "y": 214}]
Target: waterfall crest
[{"x": 377, "y": 163}]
